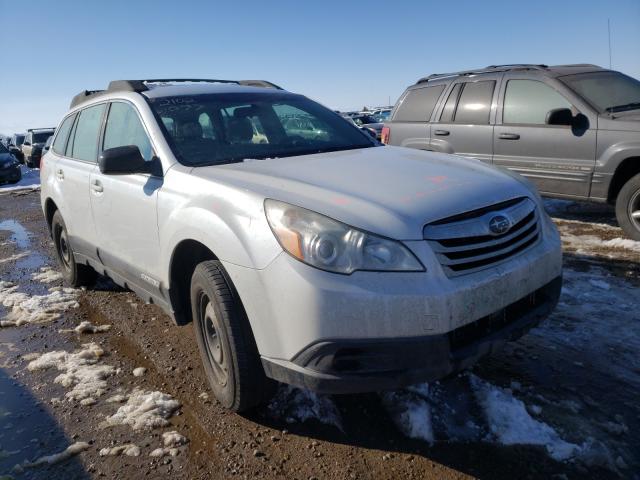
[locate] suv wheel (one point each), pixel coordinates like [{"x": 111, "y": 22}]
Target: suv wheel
[
  {"x": 225, "y": 340},
  {"x": 75, "y": 274},
  {"x": 628, "y": 207}
]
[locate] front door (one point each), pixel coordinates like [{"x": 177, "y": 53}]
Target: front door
[
  {"x": 558, "y": 159},
  {"x": 124, "y": 206}
]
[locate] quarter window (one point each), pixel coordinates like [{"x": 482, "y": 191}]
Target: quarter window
[
  {"x": 450, "y": 107},
  {"x": 125, "y": 128},
  {"x": 418, "y": 104},
  {"x": 529, "y": 101},
  {"x": 85, "y": 140},
  {"x": 63, "y": 134}
]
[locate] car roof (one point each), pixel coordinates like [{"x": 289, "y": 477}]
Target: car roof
[{"x": 172, "y": 90}]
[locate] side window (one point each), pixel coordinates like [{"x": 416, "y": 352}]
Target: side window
[
  {"x": 450, "y": 106},
  {"x": 63, "y": 133},
  {"x": 27, "y": 139},
  {"x": 475, "y": 103},
  {"x": 85, "y": 142},
  {"x": 529, "y": 101},
  {"x": 125, "y": 128},
  {"x": 418, "y": 104}
]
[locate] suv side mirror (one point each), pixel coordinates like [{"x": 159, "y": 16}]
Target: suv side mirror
[
  {"x": 560, "y": 116},
  {"x": 123, "y": 160}
]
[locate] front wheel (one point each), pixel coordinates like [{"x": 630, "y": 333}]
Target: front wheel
[
  {"x": 227, "y": 347},
  {"x": 628, "y": 207},
  {"x": 76, "y": 275}
]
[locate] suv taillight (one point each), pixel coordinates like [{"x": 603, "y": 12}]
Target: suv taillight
[{"x": 386, "y": 135}]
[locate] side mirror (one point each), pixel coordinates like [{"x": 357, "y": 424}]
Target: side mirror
[
  {"x": 122, "y": 161},
  {"x": 560, "y": 116}
]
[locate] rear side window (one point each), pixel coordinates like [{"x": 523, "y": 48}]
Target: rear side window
[
  {"x": 63, "y": 133},
  {"x": 529, "y": 101},
  {"x": 418, "y": 104},
  {"x": 475, "y": 103},
  {"x": 85, "y": 141},
  {"x": 125, "y": 128}
]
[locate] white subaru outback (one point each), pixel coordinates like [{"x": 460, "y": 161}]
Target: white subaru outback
[{"x": 302, "y": 250}]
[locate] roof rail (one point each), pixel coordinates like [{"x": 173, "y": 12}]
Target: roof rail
[
  {"x": 489, "y": 69},
  {"x": 577, "y": 65},
  {"x": 142, "y": 86}
]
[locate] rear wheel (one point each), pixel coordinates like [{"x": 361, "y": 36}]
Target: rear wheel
[
  {"x": 226, "y": 343},
  {"x": 76, "y": 275},
  {"x": 628, "y": 207}
]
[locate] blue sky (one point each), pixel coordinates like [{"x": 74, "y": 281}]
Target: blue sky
[{"x": 343, "y": 54}]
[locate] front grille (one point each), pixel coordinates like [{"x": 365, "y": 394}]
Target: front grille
[{"x": 464, "y": 243}]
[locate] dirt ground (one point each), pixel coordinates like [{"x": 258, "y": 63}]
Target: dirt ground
[{"x": 562, "y": 402}]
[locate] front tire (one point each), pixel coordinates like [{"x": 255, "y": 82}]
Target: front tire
[
  {"x": 225, "y": 340},
  {"x": 76, "y": 275},
  {"x": 628, "y": 208}
]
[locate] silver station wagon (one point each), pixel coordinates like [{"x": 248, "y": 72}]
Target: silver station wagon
[{"x": 317, "y": 258}]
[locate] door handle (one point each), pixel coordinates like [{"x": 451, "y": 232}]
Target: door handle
[
  {"x": 96, "y": 186},
  {"x": 443, "y": 133},
  {"x": 60, "y": 174},
  {"x": 509, "y": 136}
]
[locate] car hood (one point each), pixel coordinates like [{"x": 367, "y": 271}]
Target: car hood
[
  {"x": 390, "y": 191},
  {"x": 624, "y": 121}
]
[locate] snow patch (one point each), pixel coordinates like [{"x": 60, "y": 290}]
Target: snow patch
[
  {"x": 81, "y": 371},
  {"x": 47, "y": 275},
  {"x": 130, "y": 450},
  {"x": 511, "y": 424},
  {"x": 298, "y": 405},
  {"x": 144, "y": 410},
  {"x": 15, "y": 257},
  {"x": 36, "y": 308},
  {"x": 69, "y": 452},
  {"x": 410, "y": 413},
  {"x": 139, "y": 372},
  {"x": 87, "y": 327}
]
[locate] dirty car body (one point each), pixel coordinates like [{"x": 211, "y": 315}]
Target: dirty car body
[{"x": 359, "y": 267}]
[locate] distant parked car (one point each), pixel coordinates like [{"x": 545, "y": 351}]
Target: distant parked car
[
  {"x": 33, "y": 144},
  {"x": 369, "y": 131},
  {"x": 573, "y": 130},
  {"x": 15, "y": 146},
  {"x": 369, "y": 121},
  {"x": 9, "y": 166}
]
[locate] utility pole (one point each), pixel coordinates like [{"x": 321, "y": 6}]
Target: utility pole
[{"x": 609, "y": 32}]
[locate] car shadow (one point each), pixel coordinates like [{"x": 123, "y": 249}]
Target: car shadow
[
  {"x": 29, "y": 431},
  {"x": 581, "y": 211}
]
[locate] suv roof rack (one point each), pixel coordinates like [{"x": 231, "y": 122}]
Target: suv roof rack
[
  {"x": 489, "y": 69},
  {"x": 142, "y": 86}
]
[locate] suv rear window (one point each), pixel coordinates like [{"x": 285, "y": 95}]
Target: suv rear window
[
  {"x": 418, "y": 104},
  {"x": 475, "y": 103},
  {"x": 85, "y": 141}
]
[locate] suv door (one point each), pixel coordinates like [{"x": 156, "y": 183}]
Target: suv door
[
  {"x": 124, "y": 206},
  {"x": 464, "y": 124},
  {"x": 72, "y": 172},
  {"x": 558, "y": 159}
]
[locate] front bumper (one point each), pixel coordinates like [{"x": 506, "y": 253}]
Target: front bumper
[{"x": 355, "y": 366}]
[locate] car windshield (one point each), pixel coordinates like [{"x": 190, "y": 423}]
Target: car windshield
[
  {"x": 215, "y": 129},
  {"x": 41, "y": 137},
  {"x": 606, "y": 91},
  {"x": 19, "y": 139}
]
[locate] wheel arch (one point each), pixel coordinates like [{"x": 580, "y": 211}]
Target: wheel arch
[
  {"x": 628, "y": 168},
  {"x": 50, "y": 209}
]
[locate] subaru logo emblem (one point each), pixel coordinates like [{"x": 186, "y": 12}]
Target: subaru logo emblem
[{"x": 499, "y": 224}]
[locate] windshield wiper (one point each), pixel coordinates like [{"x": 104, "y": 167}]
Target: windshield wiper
[{"x": 621, "y": 108}]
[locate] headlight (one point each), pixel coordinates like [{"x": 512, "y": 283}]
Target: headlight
[{"x": 330, "y": 245}]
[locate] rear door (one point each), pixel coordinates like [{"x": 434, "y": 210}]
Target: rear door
[
  {"x": 409, "y": 126},
  {"x": 464, "y": 122},
  {"x": 124, "y": 206},
  {"x": 72, "y": 172},
  {"x": 558, "y": 159}
]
